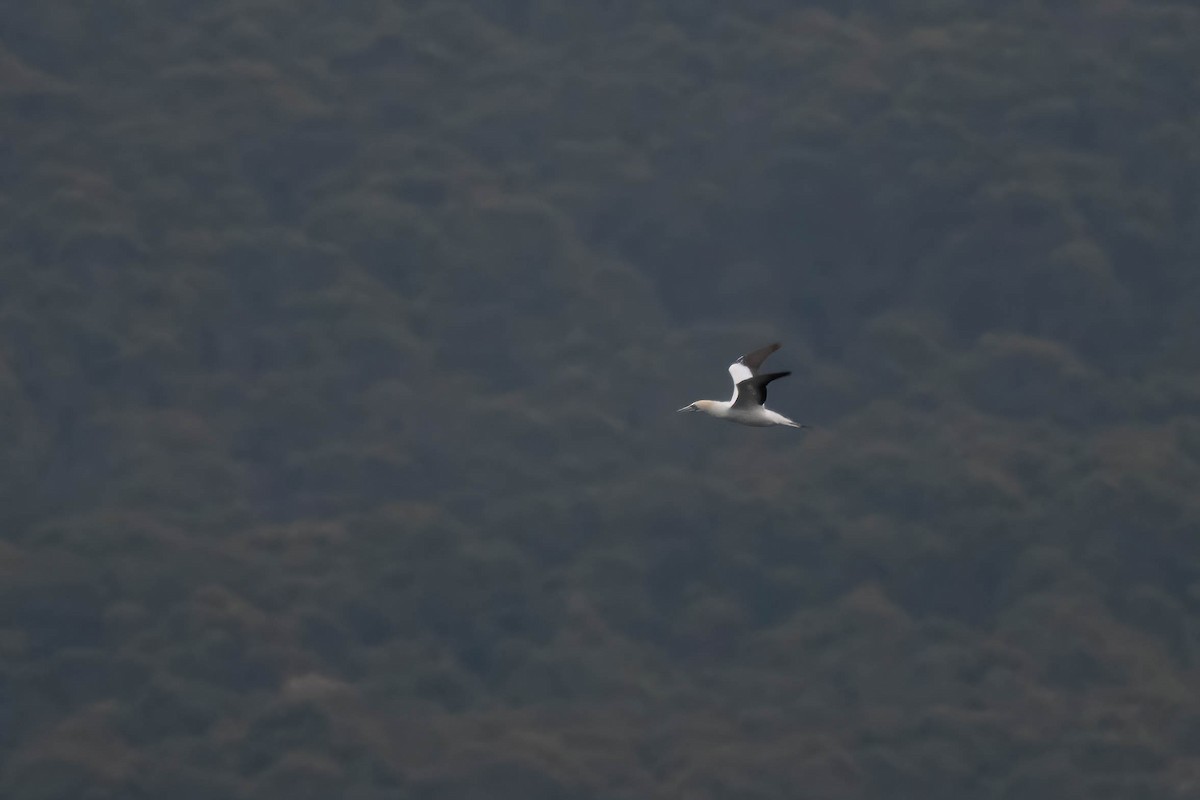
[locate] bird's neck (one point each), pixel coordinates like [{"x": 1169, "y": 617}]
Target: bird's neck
[{"x": 718, "y": 408}]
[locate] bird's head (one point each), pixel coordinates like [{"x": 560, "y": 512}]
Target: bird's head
[{"x": 699, "y": 405}]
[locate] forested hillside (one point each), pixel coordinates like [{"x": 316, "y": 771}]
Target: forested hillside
[{"x": 340, "y": 345}]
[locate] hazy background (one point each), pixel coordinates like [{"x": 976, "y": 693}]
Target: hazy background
[{"x": 340, "y": 344}]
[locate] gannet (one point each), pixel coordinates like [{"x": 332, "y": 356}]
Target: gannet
[{"x": 749, "y": 394}]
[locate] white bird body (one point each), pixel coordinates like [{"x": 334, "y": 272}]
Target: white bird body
[
  {"x": 759, "y": 417},
  {"x": 746, "y": 407}
]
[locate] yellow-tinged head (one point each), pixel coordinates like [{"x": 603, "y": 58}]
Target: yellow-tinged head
[{"x": 706, "y": 406}]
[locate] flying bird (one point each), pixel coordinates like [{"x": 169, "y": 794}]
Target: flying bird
[{"x": 749, "y": 394}]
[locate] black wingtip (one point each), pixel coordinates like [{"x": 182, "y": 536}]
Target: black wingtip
[{"x": 759, "y": 355}]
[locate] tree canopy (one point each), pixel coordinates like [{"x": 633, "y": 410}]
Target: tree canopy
[{"x": 339, "y": 350}]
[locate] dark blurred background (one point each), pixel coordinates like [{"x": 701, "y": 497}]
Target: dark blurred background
[{"x": 340, "y": 344}]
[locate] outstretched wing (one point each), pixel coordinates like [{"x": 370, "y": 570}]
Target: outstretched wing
[
  {"x": 747, "y": 366},
  {"x": 753, "y": 391}
]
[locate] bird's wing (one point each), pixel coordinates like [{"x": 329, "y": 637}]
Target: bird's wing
[
  {"x": 747, "y": 366},
  {"x": 753, "y": 391}
]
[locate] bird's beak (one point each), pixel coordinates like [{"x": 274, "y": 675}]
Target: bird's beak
[{"x": 687, "y": 408}]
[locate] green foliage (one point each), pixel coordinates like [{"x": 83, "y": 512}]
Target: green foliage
[{"x": 338, "y": 349}]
